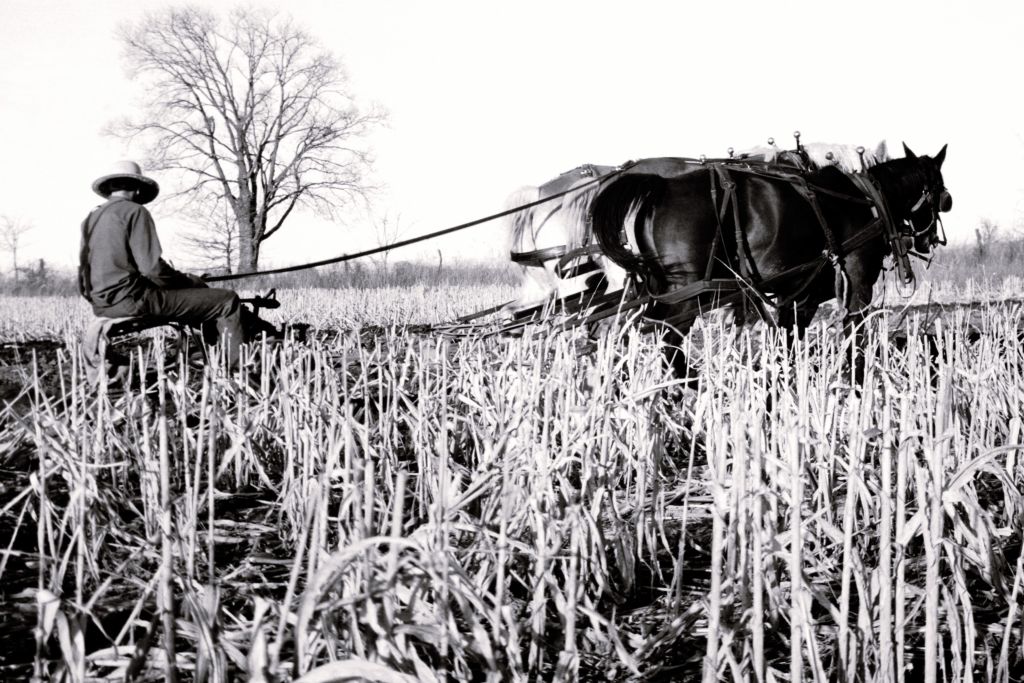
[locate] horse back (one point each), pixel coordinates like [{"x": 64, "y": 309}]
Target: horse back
[
  {"x": 572, "y": 177},
  {"x": 691, "y": 221}
]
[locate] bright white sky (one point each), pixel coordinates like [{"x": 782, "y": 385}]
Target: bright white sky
[{"x": 485, "y": 97}]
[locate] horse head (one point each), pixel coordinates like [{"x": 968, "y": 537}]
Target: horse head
[{"x": 932, "y": 198}]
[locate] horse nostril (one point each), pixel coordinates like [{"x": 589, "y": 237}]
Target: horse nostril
[{"x": 945, "y": 202}]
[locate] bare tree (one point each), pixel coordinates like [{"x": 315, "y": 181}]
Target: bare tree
[
  {"x": 986, "y": 235},
  {"x": 253, "y": 110},
  {"x": 388, "y": 230},
  {"x": 11, "y": 232},
  {"x": 213, "y": 242}
]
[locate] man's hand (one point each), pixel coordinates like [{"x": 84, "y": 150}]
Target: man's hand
[{"x": 196, "y": 280}]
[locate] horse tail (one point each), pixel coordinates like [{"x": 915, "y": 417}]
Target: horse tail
[
  {"x": 518, "y": 225},
  {"x": 625, "y": 204}
]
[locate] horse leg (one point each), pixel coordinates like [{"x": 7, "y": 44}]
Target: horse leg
[
  {"x": 750, "y": 310},
  {"x": 741, "y": 313},
  {"x": 678, "y": 321},
  {"x": 796, "y": 318},
  {"x": 856, "y": 334},
  {"x": 672, "y": 339},
  {"x": 861, "y": 274}
]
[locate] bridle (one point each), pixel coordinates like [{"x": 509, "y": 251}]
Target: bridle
[
  {"x": 901, "y": 227},
  {"x": 937, "y": 201}
]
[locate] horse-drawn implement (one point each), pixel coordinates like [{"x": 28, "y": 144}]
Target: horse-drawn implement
[
  {"x": 769, "y": 232},
  {"x": 747, "y": 231}
]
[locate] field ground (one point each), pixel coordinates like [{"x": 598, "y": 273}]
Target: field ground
[{"x": 398, "y": 505}]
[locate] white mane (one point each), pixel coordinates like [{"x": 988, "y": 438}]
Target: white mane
[
  {"x": 845, "y": 157},
  {"x": 517, "y": 224},
  {"x": 560, "y": 222}
]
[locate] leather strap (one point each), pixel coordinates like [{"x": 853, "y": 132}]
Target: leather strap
[
  {"x": 538, "y": 257},
  {"x": 880, "y": 207}
]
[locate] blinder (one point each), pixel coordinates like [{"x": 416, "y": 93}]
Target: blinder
[
  {"x": 926, "y": 209},
  {"x": 935, "y": 203}
]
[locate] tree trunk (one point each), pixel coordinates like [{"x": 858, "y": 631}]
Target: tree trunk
[
  {"x": 248, "y": 232},
  {"x": 248, "y": 252}
]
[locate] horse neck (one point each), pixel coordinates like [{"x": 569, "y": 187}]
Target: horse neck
[{"x": 901, "y": 182}]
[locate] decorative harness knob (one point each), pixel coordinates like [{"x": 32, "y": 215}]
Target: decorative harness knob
[
  {"x": 730, "y": 151},
  {"x": 796, "y": 134}
]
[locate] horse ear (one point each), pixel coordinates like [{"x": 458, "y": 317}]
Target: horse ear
[
  {"x": 882, "y": 152},
  {"x": 909, "y": 153},
  {"x": 941, "y": 156}
]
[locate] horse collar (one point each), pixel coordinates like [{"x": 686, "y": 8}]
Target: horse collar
[{"x": 869, "y": 185}]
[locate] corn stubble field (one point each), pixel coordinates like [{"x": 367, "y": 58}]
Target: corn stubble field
[{"x": 406, "y": 506}]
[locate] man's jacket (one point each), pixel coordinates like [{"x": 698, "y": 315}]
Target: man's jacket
[{"x": 120, "y": 255}]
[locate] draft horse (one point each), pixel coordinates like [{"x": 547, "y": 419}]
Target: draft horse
[
  {"x": 792, "y": 239},
  {"x": 543, "y": 240},
  {"x": 540, "y": 237}
]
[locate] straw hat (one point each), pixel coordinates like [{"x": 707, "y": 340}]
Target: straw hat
[{"x": 148, "y": 188}]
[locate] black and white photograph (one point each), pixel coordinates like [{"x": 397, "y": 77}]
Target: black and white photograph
[{"x": 465, "y": 341}]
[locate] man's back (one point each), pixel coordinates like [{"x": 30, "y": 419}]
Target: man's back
[{"x": 121, "y": 254}]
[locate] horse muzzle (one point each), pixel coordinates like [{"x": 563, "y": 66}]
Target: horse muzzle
[{"x": 923, "y": 243}]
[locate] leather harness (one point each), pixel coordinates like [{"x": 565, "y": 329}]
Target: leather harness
[
  {"x": 834, "y": 253},
  {"x": 724, "y": 201}
]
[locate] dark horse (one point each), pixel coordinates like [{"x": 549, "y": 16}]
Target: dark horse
[{"x": 794, "y": 239}]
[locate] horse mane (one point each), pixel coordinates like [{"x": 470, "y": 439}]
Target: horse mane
[
  {"x": 574, "y": 207},
  {"x": 905, "y": 175},
  {"x": 845, "y": 157},
  {"x": 519, "y": 221},
  {"x": 577, "y": 210}
]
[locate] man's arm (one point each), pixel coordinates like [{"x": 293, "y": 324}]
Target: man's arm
[{"x": 145, "y": 246}]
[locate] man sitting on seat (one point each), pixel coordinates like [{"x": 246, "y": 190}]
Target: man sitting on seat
[{"x": 122, "y": 274}]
